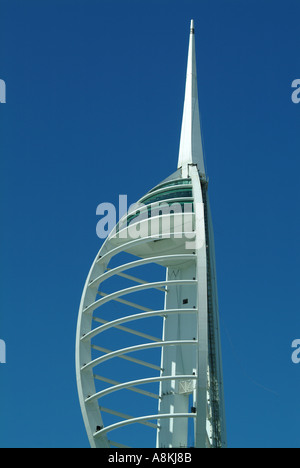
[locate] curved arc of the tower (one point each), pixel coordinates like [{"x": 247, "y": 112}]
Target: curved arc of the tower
[
  {"x": 84, "y": 364},
  {"x": 98, "y": 274},
  {"x": 85, "y": 383}
]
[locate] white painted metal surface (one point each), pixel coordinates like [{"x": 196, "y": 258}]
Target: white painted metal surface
[
  {"x": 162, "y": 374},
  {"x": 191, "y": 150}
]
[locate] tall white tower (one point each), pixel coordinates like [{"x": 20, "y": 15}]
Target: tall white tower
[{"x": 158, "y": 382}]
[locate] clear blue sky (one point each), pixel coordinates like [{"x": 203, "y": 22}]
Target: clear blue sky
[{"x": 94, "y": 103}]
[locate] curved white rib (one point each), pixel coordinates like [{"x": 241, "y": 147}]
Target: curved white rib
[
  {"x": 134, "y": 383},
  {"x": 141, "y": 287},
  {"x": 132, "y": 349},
  {"x": 131, "y": 318},
  {"x": 137, "y": 263},
  {"x": 143, "y": 418},
  {"x": 132, "y": 244}
]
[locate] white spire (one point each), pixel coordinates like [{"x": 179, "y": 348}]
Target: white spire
[{"x": 191, "y": 151}]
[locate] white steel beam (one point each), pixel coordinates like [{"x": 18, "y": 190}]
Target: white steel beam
[
  {"x": 133, "y": 289},
  {"x": 131, "y": 318},
  {"x": 143, "y": 418},
  {"x": 131, "y": 349},
  {"x": 133, "y": 383}
]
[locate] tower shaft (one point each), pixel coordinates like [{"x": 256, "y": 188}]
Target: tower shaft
[{"x": 205, "y": 395}]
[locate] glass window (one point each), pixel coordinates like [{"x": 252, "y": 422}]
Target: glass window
[
  {"x": 172, "y": 183},
  {"x": 175, "y": 193}
]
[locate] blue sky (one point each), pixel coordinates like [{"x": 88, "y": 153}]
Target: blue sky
[{"x": 94, "y": 104}]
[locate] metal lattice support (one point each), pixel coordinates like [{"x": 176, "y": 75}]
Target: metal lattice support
[{"x": 156, "y": 273}]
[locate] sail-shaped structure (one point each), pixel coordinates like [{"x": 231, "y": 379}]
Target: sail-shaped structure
[{"x": 157, "y": 382}]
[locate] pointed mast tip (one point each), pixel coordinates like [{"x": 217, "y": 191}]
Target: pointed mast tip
[{"x": 190, "y": 149}]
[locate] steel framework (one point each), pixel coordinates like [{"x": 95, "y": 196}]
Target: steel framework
[{"x": 156, "y": 270}]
